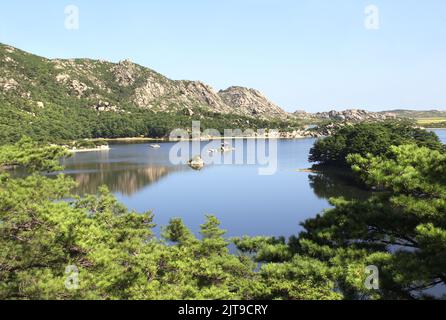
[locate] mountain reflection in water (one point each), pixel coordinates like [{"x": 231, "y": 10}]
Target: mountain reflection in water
[
  {"x": 125, "y": 181},
  {"x": 125, "y": 169}
]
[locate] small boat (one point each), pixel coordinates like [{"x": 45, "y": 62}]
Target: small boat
[
  {"x": 226, "y": 148},
  {"x": 155, "y": 146}
]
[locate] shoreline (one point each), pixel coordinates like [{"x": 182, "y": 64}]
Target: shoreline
[
  {"x": 167, "y": 140},
  {"x": 203, "y": 139},
  {"x": 100, "y": 148},
  {"x": 164, "y": 140}
]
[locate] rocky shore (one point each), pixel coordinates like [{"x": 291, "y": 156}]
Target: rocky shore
[{"x": 98, "y": 148}]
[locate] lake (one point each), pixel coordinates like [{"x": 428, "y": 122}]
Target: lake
[
  {"x": 245, "y": 202},
  {"x": 441, "y": 133}
]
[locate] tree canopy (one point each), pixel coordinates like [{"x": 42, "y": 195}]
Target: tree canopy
[{"x": 370, "y": 137}]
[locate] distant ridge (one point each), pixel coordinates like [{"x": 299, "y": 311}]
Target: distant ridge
[{"x": 417, "y": 114}]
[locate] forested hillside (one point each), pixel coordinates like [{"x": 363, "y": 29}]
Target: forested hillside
[{"x": 58, "y": 100}]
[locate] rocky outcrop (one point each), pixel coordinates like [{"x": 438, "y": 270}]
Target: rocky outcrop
[
  {"x": 126, "y": 73},
  {"x": 79, "y": 88},
  {"x": 251, "y": 102},
  {"x": 148, "y": 94},
  {"x": 353, "y": 115},
  {"x": 8, "y": 84},
  {"x": 204, "y": 95},
  {"x": 297, "y": 134},
  {"x": 196, "y": 163},
  {"x": 62, "y": 78},
  {"x": 302, "y": 114},
  {"x": 162, "y": 94},
  {"x": 331, "y": 128},
  {"x": 103, "y": 106}
]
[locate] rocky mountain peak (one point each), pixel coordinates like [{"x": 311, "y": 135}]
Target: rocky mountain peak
[
  {"x": 251, "y": 102},
  {"x": 85, "y": 81},
  {"x": 125, "y": 72}
]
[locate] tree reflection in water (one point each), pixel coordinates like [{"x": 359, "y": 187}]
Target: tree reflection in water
[{"x": 334, "y": 183}]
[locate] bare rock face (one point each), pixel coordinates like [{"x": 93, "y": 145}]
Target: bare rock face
[
  {"x": 147, "y": 95},
  {"x": 125, "y": 73},
  {"x": 251, "y": 102},
  {"x": 198, "y": 93},
  {"x": 9, "y": 49},
  {"x": 62, "y": 78},
  {"x": 79, "y": 88},
  {"x": 8, "y": 84},
  {"x": 162, "y": 93}
]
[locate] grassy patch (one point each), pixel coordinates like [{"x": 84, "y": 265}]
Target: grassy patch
[{"x": 438, "y": 122}]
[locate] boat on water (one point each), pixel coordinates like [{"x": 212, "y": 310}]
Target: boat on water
[
  {"x": 226, "y": 148},
  {"x": 154, "y": 146}
]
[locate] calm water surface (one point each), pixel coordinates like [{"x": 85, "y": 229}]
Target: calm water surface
[
  {"x": 245, "y": 202},
  {"x": 441, "y": 133}
]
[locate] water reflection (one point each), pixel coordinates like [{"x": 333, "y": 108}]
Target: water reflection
[
  {"x": 126, "y": 181},
  {"x": 247, "y": 203},
  {"x": 334, "y": 184},
  {"x": 124, "y": 169}
]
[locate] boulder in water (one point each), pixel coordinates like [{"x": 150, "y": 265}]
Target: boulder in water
[{"x": 196, "y": 163}]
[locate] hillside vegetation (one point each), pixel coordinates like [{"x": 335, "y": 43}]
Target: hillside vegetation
[
  {"x": 58, "y": 100},
  {"x": 370, "y": 138}
]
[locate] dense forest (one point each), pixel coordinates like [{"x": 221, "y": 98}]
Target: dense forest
[
  {"x": 370, "y": 138},
  {"x": 93, "y": 248},
  {"x": 61, "y": 124}
]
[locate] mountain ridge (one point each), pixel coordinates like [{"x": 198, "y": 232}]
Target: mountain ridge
[
  {"x": 152, "y": 90},
  {"x": 69, "y": 99},
  {"x": 133, "y": 84}
]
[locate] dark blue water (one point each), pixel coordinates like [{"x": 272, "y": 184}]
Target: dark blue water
[{"x": 245, "y": 202}]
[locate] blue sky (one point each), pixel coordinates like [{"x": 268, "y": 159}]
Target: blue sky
[{"x": 303, "y": 54}]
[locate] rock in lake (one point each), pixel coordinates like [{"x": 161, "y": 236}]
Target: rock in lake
[{"x": 196, "y": 163}]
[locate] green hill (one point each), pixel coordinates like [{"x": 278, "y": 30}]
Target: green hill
[{"x": 59, "y": 100}]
